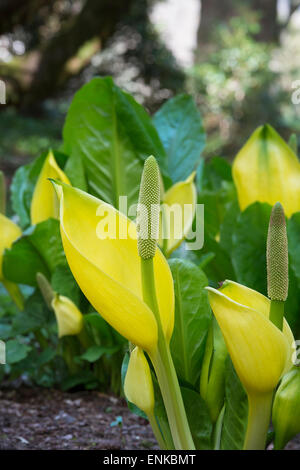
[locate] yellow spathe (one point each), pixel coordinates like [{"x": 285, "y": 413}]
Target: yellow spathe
[
  {"x": 259, "y": 351},
  {"x": 267, "y": 170},
  {"x": 253, "y": 299},
  {"x": 44, "y": 200},
  {"x": 9, "y": 232},
  {"x": 138, "y": 385},
  {"x": 101, "y": 248},
  {"x": 68, "y": 316},
  {"x": 175, "y": 218}
]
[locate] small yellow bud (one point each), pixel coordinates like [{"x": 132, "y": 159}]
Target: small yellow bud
[
  {"x": 138, "y": 385},
  {"x": 9, "y": 233},
  {"x": 68, "y": 316}
]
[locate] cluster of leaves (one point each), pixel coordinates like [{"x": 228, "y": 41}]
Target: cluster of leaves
[{"x": 106, "y": 138}]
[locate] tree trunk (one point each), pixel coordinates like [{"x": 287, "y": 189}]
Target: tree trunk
[
  {"x": 269, "y": 26},
  {"x": 97, "y": 18}
]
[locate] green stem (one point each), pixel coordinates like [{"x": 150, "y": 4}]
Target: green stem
[
  {"x": 156, "y": 432},
  {"x": 15, "y": 293},
  {"x": 218, "y": 429},
  {"x": 259, "y": 416},
  {"x": 164, "y": 368},
  {"x": 277, "y": 313}
]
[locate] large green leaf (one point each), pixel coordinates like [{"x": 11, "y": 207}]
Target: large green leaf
[
  {"x": 249, "y": 246},
  {"x": 23, "y": 184},
  {"x": 110, "y": 135},
  {"x": 38, "y": 250},
  {"x": 34, "y": 316},
  {"x": 192, "y": 317},
  {"x": 198, "y": 417},
  {"x": 63, "y": 282},
  {"x": 93, "y": 353},
  {"x": 213, "y": 174},
  {"x": 179, "y": 125},
  {"x": 236, "y": 411},
  {"x": 15, "y": 351}
]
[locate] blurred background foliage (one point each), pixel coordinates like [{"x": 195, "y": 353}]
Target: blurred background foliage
[{"x": 238, "y": 59}]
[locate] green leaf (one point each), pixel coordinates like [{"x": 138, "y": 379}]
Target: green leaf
[
  {"x": 23, "y": 184},
  {"x": 102, "y": 332},
  {"x": 38, "y": 250},
  {"x": 95, "y": 352},
  {"x": 15, "y": 351},
  {"x": 82, "y": 378},
  {"x": 219, "y": 267},
  {"x": 63, "y": 283},
  {"x": 249, "y": 246},
  {"x": 34, "y": 316},
  {"x": 111, "y": 135},
  {"x": 198, "y": 417},
  {"x": 214, "y": 173},
  {"x": 6, "y": 330},
  {"x": 192, "y": 317},
  {"x": 236, "y": 411},
  {"x": 180, "y": 127}
]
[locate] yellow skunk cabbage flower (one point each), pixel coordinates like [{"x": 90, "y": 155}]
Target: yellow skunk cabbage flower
[
  {"x": 258, "y": 349},
  {"x": 138, "y": 385},
  {"x": 68, "y": 316},
  {"x": 9, "y": 232},
  {"x": 44, "y": 200},
  {"x": 286, "y": 409},
  {"x": 101, "y": 248},
  {"x": 252, "y": 299},
  {"x": 260, "y": 352},
  {"x": 267, "y": 170},
  {"x": 177, "y": 213}
]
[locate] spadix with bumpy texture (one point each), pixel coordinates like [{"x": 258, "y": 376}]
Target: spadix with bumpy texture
[
  {"x": 148, "y": 209},
  {"x": 277, "y": 255}
]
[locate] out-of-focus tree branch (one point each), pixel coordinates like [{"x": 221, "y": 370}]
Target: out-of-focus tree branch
[{"x": 96, "y": 18}]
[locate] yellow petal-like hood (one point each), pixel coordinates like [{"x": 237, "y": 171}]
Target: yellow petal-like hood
[
  {"x": 108, "y": 269},
  {"x": 257, "y": 301},
  {"x": 267, "y": 170},
  {"x": 258, "y": 349},
  {"x": 138, "y": 385},
  {"x": 176, "y": 227},
  {"x": 68, "y": 316},
  {"x": 9, "y": 232},
  {"x": 44, "y": 200}
]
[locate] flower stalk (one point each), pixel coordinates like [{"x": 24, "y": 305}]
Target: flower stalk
[{"x": 148, "y": 221}]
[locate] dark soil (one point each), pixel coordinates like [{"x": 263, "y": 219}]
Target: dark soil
[{"x": 51, "y": 419}]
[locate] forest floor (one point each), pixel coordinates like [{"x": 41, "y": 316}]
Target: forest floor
[{"x": 51, "y": 419}]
